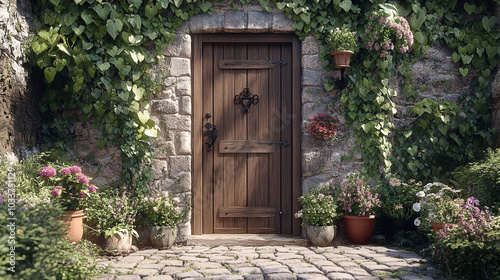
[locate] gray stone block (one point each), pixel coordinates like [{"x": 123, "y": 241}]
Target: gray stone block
[
  {"x": 259, "y": 21},
  {"x": 235, "y": 21}
]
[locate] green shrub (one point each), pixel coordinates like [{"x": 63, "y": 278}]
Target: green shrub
[
  {"x": 481, "y": 179},
  {"x": 34, "y": 248},
  {"x": 470, "y": 250}
]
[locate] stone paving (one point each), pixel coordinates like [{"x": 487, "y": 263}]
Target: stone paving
[{"x": 368, "y": 262}]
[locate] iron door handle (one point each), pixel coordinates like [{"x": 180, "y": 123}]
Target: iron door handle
[{"x": 211, "y": 132}]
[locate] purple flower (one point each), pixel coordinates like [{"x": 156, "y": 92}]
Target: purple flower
[
  {"x": 66, "y": 171},
  {"x": 82, "y": 195},
  {"x": 2, "y": 201},
  {"x": 92, "y": 188},
  {"x": 82, "y": 179},
  {"x": 75, "y": 169},
  {"x": 55, "y": 192},
  {"x": 471, "y": 202},
  {"x": 47, "y": 172}
]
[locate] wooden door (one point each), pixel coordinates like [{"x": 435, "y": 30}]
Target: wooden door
[{"x": 246, "y": 180}]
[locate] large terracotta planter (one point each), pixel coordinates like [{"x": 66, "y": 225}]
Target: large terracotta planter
[
  {"x": 74, "y": 221},
  {"x": 162, "y": 237},
  {"x": 320, "y": 235},
  {"x": 342, "y": 58},
  {"x": 359, "y": 229},
  {"x": 119, "y": 244}
]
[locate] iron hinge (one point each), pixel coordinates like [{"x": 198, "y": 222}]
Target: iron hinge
[
  {"x": 280, "y": 213},
  {"x": 277, "y": 63}
]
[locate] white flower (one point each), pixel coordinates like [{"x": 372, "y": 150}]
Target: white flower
[
  {"x": 417, "y": 222},
  {"x": 421, "y": 194},
  {"x": 427, "y": 187},
  {"x": 298, "y": 214},
  {"x": 416, "y": 207},
  {"x": 321, "y": 195},
  {"x": 165, "y": 193},
  {"x": 155, "y": 209},
  {"x": 176, "y": 200}
]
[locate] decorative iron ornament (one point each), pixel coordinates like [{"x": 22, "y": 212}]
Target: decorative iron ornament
[{"x": 246, "y": 99}]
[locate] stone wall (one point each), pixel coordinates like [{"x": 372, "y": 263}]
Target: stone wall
[{"x": 19, "y": 118}]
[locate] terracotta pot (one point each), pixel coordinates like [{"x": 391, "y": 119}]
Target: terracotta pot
[
  {"x": 342, "y": 58},
  {"x": 162, "y": 237},
  {"x": 320, "y": 235},
  {"x": 119, "y": 244},
  {"x": 74, "y": 221},
  {"x": 359, "y": 229},
  {"x": 436, "y": 227}
]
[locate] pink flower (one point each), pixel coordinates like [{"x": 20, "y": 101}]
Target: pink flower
[
  {"x": 55, "y": 192},
  {"x": 92, "y": 188},
  {"x": 82, "y": 195},
  {"x": 177, "y": 209},
  {"x": 47, "y": 172},
  {"x": 66, "y": 171},
  {"x": 75, "y": 169},
  {"x": 82, "y": 179}
]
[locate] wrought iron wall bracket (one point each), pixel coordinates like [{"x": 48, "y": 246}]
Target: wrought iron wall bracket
[
  {"x": 211, "y": 132},
  {"x": 246, "y": 99}
]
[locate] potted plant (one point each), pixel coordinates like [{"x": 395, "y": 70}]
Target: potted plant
[
  {"x": 319, "y": 214},
  {"x": 397, "y": 200},
  {"x": 114, "y": 217},
  {"x": 342, "y": 44},
  {"x": 439, "y": 205},
  {"x": 358, "y": 202},
  {"x": 387, "y": 32},
  {"x": 71, "y": 188},
  {"x": 324, "y": 127},
  {"x": 163, "y": 213}
]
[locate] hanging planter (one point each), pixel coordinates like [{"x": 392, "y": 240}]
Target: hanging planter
[
  {"x": 74, "y": 221},
  {"x": 342, "y": 58}
]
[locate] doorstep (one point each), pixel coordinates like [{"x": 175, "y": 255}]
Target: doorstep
[{"x": 245, "y": 240}]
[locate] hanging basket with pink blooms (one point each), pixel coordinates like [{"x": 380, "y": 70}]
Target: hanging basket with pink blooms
[{"x": 324, "y": 127}]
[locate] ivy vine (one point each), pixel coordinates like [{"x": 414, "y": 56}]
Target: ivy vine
[{"x": 96, "y": 57}]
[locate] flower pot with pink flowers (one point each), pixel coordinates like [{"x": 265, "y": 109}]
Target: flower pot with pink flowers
[
  {"x": 358, "y": 201},
  {"x": 163, "y": 212},
  {"x": 71, "y": 188}
]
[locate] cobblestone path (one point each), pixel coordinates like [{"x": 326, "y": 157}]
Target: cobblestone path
[{"x": 270, "y": 262}]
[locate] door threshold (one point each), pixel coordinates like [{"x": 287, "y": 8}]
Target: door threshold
[{"x": 246, "y": 240}]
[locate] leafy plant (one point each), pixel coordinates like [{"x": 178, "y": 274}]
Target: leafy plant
[
  {"x": 438, "y": 203},
  {"x": 470, "y": 250},
  {"x": 324, "y": 127},
  {"x": 341, "y": 39},
  {"x": 163, "y": 210},
  {"x": 398, "y": 198},
  {"x": 481, "y": 179},
  {"x": 355, "y": 196},
  {"x": 35, "y": 242},
  {"x": 111, "y": 214},
  {"x": 319, "y": 208}
]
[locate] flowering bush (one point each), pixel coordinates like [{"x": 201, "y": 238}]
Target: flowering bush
[
  {"x": 70, "y": 186},
  {"x": 341, "y": 40},
  {"x": 319, "y": 208},
  {"x": 356, "y": 197},
  {"x": 163, "y": 210},
  {"x": 438, "y": 203},
  {"x": 398, "y": 198},
  {"x": 471, "y": 249},
  {"x": 387, "y": 32},
  {"x": 111, "y": 215},
  {"x": 323, "y": 127}
]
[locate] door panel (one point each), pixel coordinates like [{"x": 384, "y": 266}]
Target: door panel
[{"x": 247, "y": 184}]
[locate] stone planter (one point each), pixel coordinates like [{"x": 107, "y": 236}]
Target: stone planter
[
  {"x": 162, "y": 237},
  {"x": 320, "y": 235},
  {"x": 74, "y": 221},
  {"x": 359, "y": 229},
  {"x": 342, "y": 58},
  {"x": 119, "y": 244}
]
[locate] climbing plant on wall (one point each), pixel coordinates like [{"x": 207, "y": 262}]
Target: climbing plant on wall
[{"x": 96, "y": 57}]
